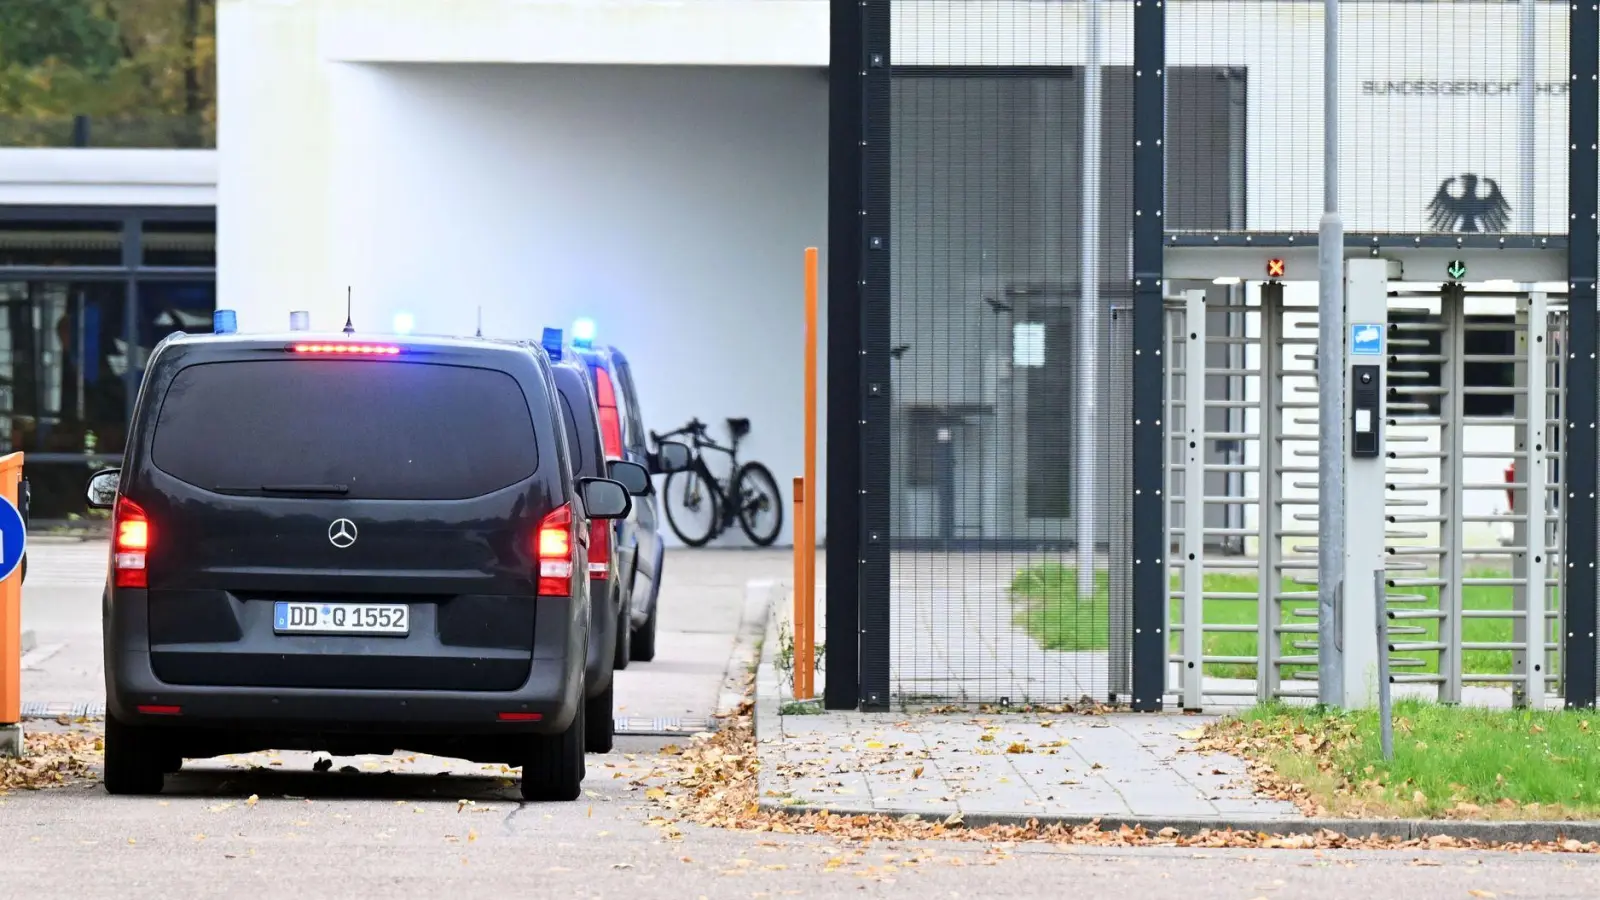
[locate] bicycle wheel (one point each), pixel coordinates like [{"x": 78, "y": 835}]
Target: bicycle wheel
[
  {"x": 696, "y": 498},
  {"x": 760, "y": 504}
]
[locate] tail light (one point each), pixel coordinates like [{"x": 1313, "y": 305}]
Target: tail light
[
  {"x": 130, "y": 544},
  {"x": 610, "y": 419},
  {"x": 599, "y": 548},
  {"x": 555, "y": 553}
]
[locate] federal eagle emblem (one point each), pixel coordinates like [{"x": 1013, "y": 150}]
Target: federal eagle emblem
[{"x": 1469, "y": 211}]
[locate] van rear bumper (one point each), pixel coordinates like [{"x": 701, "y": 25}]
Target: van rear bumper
[{"x": 552, "y": 692}]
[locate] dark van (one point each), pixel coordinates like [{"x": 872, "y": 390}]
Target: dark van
[
  {"x": 349, "y": 545},
  {"x": 643, "y": 554},
  {"x": 575, "y": 388}
]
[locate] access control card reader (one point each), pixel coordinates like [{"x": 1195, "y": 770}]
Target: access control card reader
[{"x": 1366, "y": 410}]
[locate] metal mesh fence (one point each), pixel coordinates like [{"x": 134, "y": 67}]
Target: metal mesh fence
[
  {"x": 1453, "y": 115},
  {"x": 1000, "y": 151},
  {"x": 1011, "y": 205}
]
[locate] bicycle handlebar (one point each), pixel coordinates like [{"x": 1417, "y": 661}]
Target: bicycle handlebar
[{"x": 695, "y": 428}]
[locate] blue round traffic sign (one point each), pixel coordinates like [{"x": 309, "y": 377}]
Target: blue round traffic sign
[{"x": 13, "y": 538}]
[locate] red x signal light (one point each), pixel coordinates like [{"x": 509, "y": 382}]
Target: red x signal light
[{"x": 1275, "y": 268}]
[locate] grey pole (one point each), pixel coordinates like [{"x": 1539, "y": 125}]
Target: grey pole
[
  {"x": 1527, "y": 95},
  {"x": 1385, "y": 704},
  {"x": 1330, "y": 382},
  {"x": 1089, "y": 451}
]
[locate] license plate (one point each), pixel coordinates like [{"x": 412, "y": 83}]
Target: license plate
[{"x": 341, "y": 618}]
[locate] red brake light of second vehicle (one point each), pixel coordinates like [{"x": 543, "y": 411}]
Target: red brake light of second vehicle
[
  {"x": 599, "y": 548},
  {"x": 555, "y": 553},
  {"x": 131, "y": 529},
  {"x": 610, "y": 419}
]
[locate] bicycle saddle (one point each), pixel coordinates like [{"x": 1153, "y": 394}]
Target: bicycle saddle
[{"x": 739, "y": 427}]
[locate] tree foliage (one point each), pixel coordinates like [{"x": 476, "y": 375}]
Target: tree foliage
[{"x": 142, "y": 71}]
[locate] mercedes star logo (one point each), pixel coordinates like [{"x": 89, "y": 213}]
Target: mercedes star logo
[{"x": 342, "y": 533}]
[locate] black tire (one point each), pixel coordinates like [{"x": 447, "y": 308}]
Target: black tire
[
  {"x": 682, "y": 482},
  {"x": 600, "y": 723},
  {"x": 759, "y": 480},
  {"x": 644, "y": 640},
  {"x": 623, "y": 653},
  {"x": 554, "y": 767},
  {"x": 136, "y": 761}
]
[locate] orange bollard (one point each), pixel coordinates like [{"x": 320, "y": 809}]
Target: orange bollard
[
  {"x": 11, "y": 612},
  {"x": 802, "y": 669},
  {"x": 806, "y": 521}
]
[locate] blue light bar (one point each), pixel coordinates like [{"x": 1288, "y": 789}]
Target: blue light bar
[
  {"x": 224, "y": 321},
  {"x": 583, "y": 332},
  {"x": 552, "y": 342}
]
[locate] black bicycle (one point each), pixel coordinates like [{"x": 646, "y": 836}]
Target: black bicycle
[{"x": 697, "y": 493}]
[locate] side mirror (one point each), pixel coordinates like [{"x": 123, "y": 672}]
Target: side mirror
[
  {"x": 604, "y": 499},
  {"x": 103, "y": 488},
  {"x": 672, "y": 456},
  {"x": 630, "y": 475}
]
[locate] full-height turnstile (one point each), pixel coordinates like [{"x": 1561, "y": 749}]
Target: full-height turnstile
[{"x": 1470, "y": 386}]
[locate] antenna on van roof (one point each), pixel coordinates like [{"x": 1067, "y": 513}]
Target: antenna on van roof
[
  {"x": 480, "y": 320},
  {"x": 349, "y": 328}
]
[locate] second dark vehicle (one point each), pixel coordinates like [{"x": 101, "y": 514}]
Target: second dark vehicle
[
  {"x": 607, "y": 621},
  {"x": 641, "y": 553}
]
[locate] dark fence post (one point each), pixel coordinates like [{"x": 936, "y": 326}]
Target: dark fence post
[
  {"x": 80, "y": 131},
  {"x": 876, "y": 246},
  {"x": 845, "y": 162},
  {"x": 1149, "y": 188},
  {"x": 1578, "y": 593}
]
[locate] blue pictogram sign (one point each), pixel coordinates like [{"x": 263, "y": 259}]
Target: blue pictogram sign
[
  {"x": 1366, "y": 340},
  {"x": 13, "y": 538}
]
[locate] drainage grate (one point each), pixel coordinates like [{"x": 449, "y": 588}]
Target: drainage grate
[
  {"x": 629, "y": 725},
  {"x": 640, "y": 725},
  {"x": 36, "y": 710}
]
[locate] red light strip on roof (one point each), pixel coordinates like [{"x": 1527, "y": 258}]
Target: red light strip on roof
[{"x": 348, "y": 349}]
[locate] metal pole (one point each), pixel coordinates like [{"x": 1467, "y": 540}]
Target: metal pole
[
  {"x": 1526, "y": 96},
  {"x": 1330, "y": 381},
  {"x": 1385, "y": 706},
  {"x": 1089, "y": 450}
]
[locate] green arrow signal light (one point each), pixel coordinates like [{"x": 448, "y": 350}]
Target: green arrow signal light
[{"x": 1457, "y": 269}]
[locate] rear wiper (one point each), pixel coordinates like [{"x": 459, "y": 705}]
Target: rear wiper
[
  {"x": 289, "y": 489},
  {"x": 305, "y": 488}
]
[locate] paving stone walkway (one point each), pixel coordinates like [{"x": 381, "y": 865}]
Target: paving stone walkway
[{"x": 1118, "y": 766}]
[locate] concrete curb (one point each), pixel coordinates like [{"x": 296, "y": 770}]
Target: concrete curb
[
  {"x": 766, "y": 721},
  {"x": 1401, "y": 829},
  {"x": 760, "y": 597},
  {"x": 45, "y": 537}
]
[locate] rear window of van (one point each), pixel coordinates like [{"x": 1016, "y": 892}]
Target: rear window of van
[{"x": 386, "y": 430}]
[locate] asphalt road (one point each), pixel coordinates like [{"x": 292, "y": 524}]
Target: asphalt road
[
  {"x": 426, "y": 827},
  {"x": 408, "y": 835}
]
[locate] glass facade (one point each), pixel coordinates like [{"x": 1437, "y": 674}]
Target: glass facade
[{"x": 85, "y": 294}]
